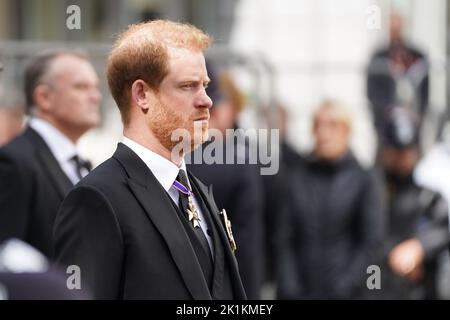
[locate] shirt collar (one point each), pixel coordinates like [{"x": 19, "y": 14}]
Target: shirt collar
[
  {"x": 164, "y": 170},
  {"x": 61, "y": 147}
]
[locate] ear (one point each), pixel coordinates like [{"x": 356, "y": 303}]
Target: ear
[
  {"x": 140, "y": 94},
  {"x": 42, "y": 96}
]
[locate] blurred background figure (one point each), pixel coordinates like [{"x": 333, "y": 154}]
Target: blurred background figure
[
  {"x": 397, "y": 74},
  {"x": 25, "y": 274},
  {"x": 38, "y": 168},
  {"x": 237, "y": 187},
  {"x": 433, "y": 172},
  {"x": 276, "y": 190},
  {"x": 417, "y": 222},
  {"x": 332, "y": 228}
]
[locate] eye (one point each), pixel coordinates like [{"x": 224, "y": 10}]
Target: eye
[
  {"x": 81, "y": 86},
  {"x": 187, "y": 85}
]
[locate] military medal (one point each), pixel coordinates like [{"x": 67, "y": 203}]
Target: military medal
[
  {"x": 191, "y": 210},
  {"x": 227, "y": 223}
]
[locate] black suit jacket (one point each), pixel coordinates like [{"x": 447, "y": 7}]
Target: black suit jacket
[
  {"x": 121, "y": 228},
  {"x": 32, "y": 186}
]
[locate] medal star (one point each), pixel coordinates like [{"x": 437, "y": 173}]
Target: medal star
[
  {"x": 190, "y": 214},
  {"x": 196, "y": 224},
  {"x": 193, "y": 216}
]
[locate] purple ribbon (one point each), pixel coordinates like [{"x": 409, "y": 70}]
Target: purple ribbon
[{"x": 180, "y": 187}]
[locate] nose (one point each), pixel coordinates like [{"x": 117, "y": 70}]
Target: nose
[
  {"x": 96, "y": 95},
  {"x": 204, "y": 101}
]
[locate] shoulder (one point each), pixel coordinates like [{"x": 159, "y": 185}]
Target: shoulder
[
  {"x": 18, "y": 149},
  {"x": 105, "y": 174},
  {"x": 380, "y": 53},
  {"x": 416, "y": 52},
  {"x": 364, "y": 176},
  {"x": 106, "y": 182},
  {"x": 92, "y": 199},
  {"x": 429, "y": 197},
  {"x": 18, "y": 156},
  {"x": 352, "y": 163}
]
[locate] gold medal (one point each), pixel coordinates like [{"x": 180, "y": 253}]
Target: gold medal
[{"x": 228, "y": 229}]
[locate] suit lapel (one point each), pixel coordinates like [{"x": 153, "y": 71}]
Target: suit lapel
[
  {"x": 49, "y": 163},
  {"x": 219, "y": 262},
  {"x": 156, "y": 203},
  {"x": 208, "y": 199}
]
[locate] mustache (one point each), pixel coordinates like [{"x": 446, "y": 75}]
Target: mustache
[{"x": 200, "y": 115}]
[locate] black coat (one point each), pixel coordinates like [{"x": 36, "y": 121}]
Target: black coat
[
  {"x": 32, "y": 186},
  {"x": 414, "y": 212},
  {"x": 381, "y": 83},
  {"x": 331, "y": 228},
  {"x": 121, "y": 228}
]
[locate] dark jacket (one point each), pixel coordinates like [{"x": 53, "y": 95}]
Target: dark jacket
[
  {"x": 32, "y": 186},
  {"x": 414, "y": 212},
  {"x": 121, "y": 228},
  {"x": 382, "y": 83},
  {"x": 331, "y": 228}
]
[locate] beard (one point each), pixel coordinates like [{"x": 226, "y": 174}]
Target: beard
[{"x": 174, "y": 128}]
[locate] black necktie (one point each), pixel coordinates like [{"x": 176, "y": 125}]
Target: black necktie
[
  {"x": 184, "y": 206},
  {"x": 80, "y": 164}
]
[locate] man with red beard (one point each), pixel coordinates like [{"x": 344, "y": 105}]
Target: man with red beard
[{"x": 141, "y": 226}]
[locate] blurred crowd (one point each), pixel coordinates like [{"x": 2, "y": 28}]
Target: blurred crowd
[{"x": 309, "y": 232}]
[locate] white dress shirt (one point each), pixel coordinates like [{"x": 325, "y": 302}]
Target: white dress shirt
[
  {"x": 60, "y": 146},
  {"x": 166, "y": 173}
]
